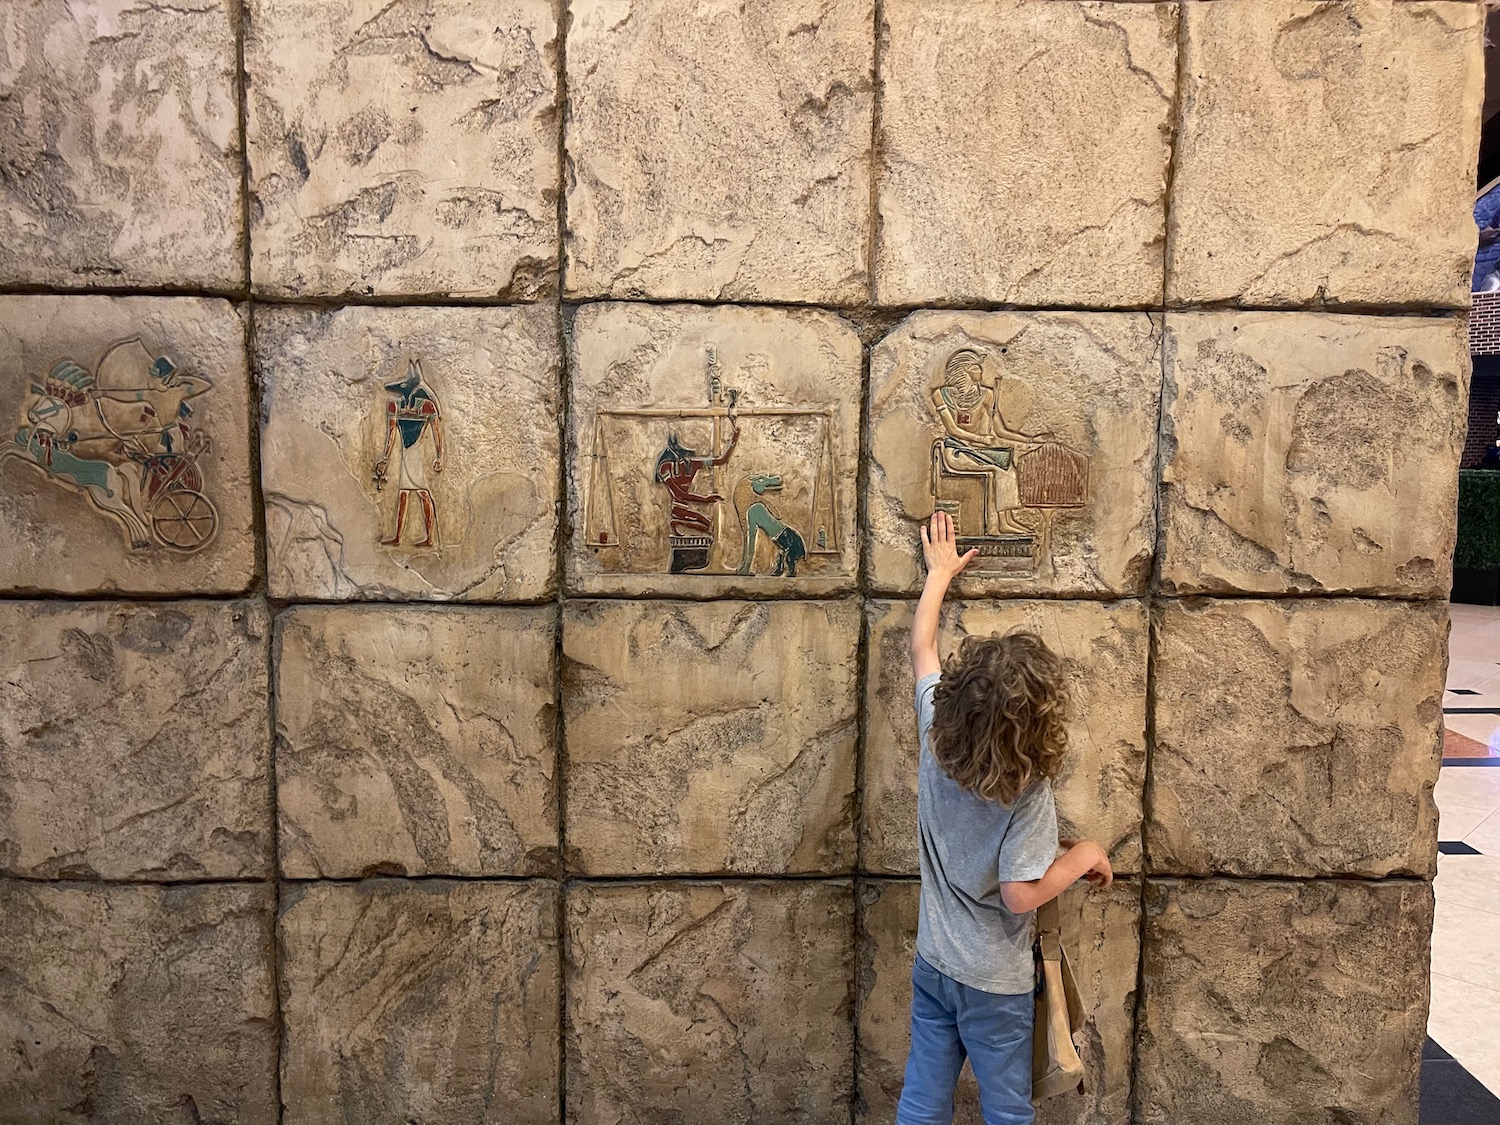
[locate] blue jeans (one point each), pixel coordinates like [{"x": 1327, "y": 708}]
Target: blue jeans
[{"x": 950, "y": 1020}]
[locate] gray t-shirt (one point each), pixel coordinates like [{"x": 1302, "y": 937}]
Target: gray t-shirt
[{"x": 969, "y": 846}]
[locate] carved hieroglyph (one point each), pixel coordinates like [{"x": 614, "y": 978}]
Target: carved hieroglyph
[
  {"x": 1036, "y": 432},
  {"x": 708, "y": 738},
  {"x": 137, "y": 1003},
  {"x": 121, "y": 145},
  {"x": 410, "y": 453},
  {"x": 1024, "y": 149},
  {"x": 133, "y": 740},
  {"x": 1311, "y": 452},
  {"x": 1103, "y": 647},
  {"x": 1297, "y": 737},
  {"x": 707, "y": 1003},
  {"x": 1101, "y": 933},
  {"x": 426, "y": 1001},
  {"x": 124, "y": 451},
  {"x": 719, "y": 151},
  {"x": 713, "y": 451},
  {"x": 1327, "y": 153},
  {"x": 1265, "y": 998},
  {"x": 400, "y": 148},
  {"x": 416, "y": 741}
]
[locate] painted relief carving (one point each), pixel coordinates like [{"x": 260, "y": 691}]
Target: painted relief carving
[
  {"x": 1002, "y": 487},
  {"x": 736, "y": 488},
  {"x": 126, "y": 437},
  {"x": 414, "y": 435}
]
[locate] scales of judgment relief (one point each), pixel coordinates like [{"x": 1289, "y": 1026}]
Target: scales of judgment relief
[
  {"x": 124, "y": 435},
  {"x": 724, "y": 487}
]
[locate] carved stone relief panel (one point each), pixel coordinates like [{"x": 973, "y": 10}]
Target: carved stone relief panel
[
  {"x": 410, "y": 453},
  {"x": 713, "y": 451},
  {"x": 1036, "y": 432}
]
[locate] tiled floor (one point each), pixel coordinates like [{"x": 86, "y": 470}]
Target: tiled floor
[{"x": 1461, "y": 1068}]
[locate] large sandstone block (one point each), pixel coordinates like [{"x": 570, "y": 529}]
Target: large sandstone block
[
  {"x": 664, "y": 499},
  {"x": 1036, "y": 432},
  {"x": 1318, "y": 145},
  {"x": 1309, "y": 452},
  {"x": 135, "y": 740},
  {"x": 1104, "y": 649},
  {"x": 429, "y": 1001},
  {"x": 710, "y": 1003},
  {"x": 1101, "y": 933},
  {"x": 720, "y": 152},
  {"x": 403, "y": 148},
  {"x": 709, "y": 738},
  {"x": 124, "y": 446},
  {"x": 121, "y": 145},
  {"x": 417, "y": 741},
  {"x": 1283, "y": 1003},
  {"x": 474, "y": 391},
  {"x": 136, "y": 1005},
  {"x": 1024, "y": 148},
  {"x": 1297, "y": 737}
]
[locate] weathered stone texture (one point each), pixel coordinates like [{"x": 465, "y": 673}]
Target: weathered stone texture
[
  {"x": 1322, "y": 144},
  {"x": 1024, "y": 148},
  {"x": 492, "y": 375},
  {"x": 136, "y": 1005},
  {"x": 1283, "y": 1003},
  {"x": 430, "y": 1001},
  {"x": 708, "y": 738},
  {"x": 710, "y": 1004},
  {"x": 1088, "y": 384},
  {"x": 114, "y": 533},
  {"x": 417, "y": 742},
  {"x": 1297, "y": 737},
  {"x": 119, "y": 145},
  {"x": 1104, "y": 650},
  {"x": 789, "y": 382},
  {"x": 400, "y": 148},
  {"x": 720, "y": 152},
  {"x": 134, "y": 742},
  {"x": 1101, "y": 933},
  {"x": 1310, "y": 452}
]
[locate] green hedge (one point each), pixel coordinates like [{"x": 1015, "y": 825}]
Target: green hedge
[{"x": 1478, "y": 520}]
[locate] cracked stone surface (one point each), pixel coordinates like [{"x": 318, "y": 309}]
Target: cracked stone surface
[
  {"x": 720, "y": 152},
  {"x": 1076, "y": 385},
  {"x": 1024, "y": 151},
  {"x": 133, "y": 740},
  {"x": 136, "y": 1005},
  {"x": 788, "y": 380},
  {"x": 403, "y": 147},
  {"x": 708, "y": 738},
  {"x": 1297, "y": 737},
  {"x": 1300, "y": 447},
  {"x": 87, "y": 501},
  {"x": 1322, "y": 143},
  {"x": 492, "y": 375},
  {"x": 1101, "y": 933},
  {"x": 1283, "y": 1002},
  {"x": 120, "y": 140},
  {"x": 1104, "y": 649},
  {"x": 710, "y": 1003},
  {"x": 430, "y": 1001},
  {"x": 416, "y": 741}
]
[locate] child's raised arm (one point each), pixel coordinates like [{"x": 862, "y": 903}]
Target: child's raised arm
[{"x": 940, "y": 550}]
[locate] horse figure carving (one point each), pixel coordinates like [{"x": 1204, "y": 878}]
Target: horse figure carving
[{"x": 757, "y": 517}]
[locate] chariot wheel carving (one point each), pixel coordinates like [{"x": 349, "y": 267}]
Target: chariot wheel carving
[{"x": 183, "y": 520}]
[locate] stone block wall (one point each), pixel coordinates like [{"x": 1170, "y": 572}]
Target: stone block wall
[{"x": 461, "y": 471}]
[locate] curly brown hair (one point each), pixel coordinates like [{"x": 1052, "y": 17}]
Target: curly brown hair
[{"x": 1000, "y": 715}]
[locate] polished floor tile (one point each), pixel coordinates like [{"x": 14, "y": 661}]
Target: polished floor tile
[{"x": 1463, "y": 1022}]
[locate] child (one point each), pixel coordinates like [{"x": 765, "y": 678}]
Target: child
[{"x": 992, "y": 731}]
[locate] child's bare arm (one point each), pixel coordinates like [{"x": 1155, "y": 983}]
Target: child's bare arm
[
  {"x": 1083, "y": 859},
  {"x": 940, "y": 549}
]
